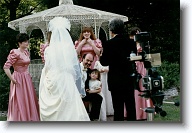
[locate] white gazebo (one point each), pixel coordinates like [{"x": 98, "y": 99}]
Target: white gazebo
[{"x": 79, "y": 16}]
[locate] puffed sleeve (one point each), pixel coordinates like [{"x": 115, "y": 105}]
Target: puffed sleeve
[
  {"x": 11, "y": 59},
  {"x": 42, "y": 49},
  {"x": 139, "y": 49},
  {"x": 98, "y": 43},
  {"x": 76, "y": 44}
]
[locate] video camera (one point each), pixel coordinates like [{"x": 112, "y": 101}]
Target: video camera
[{"x": 152, "y": 82}]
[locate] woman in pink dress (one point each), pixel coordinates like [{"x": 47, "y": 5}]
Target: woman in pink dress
[
  {"x": 140, "y": 102},
  {"x": 88, "y": 43},
  {"x": 23, "y": 102}
]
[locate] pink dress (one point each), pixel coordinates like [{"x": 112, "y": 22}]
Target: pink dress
[
  {"x": 23, "y": 102},
  {"x": 42, "y": 49},
  {"x": 88, "y": 49},
  {"x": 139, "y": 101}
]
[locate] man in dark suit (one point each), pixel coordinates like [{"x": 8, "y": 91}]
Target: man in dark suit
[{"x": 120, "y": 82}]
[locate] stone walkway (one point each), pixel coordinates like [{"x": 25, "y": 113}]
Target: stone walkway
[{"x": 170, "y": 93}]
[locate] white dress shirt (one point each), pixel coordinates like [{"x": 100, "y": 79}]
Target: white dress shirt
[{"x": 84, "y": 75}]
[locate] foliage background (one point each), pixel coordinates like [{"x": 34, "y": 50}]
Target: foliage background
[{"x": 159, "y": 17}]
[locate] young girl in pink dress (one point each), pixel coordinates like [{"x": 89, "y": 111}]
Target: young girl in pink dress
[
  {"x": 88, "y": 43},
  {"x": 23, "y": 102}
]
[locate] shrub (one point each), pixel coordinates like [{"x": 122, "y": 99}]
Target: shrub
[
  {"x": 4, "y": 90},
  {"x": 170, "y": 73}
]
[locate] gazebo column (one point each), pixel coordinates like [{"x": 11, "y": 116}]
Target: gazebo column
[
  {"x": 97, "y": 25},
  {"x": 97, "y": 28},
  {"x": 44, "y": 31},
  {"x": 43, "y": 26}
]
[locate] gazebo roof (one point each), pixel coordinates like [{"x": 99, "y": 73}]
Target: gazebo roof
[{"x": 67, "y": 9}]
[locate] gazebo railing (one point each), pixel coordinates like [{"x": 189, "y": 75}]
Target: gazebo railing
[{"x": 35, "y": 68}]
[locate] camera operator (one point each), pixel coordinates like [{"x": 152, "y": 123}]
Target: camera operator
[
  {"x": 120, "y": 82},
  {"x": 148, "y": 82}
]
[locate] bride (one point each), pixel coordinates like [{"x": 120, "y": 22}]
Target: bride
[{"x": 60, "y": 84}]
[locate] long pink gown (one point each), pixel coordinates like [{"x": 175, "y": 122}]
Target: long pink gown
[
  {"x": 140, "y": 103},
  {"x": 23, "y": 102},
  {"x": 88, "y": 49}
]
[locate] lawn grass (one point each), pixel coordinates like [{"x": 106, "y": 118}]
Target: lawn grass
[
  {"x": 3, "y": 118},
  {"x": 173, "y": 112}
]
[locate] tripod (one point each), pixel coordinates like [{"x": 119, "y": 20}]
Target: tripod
[
  {"x": 158, "y": 101},
  {"x": 153, "y": 84},
  {"x": 150, "y": 113}
]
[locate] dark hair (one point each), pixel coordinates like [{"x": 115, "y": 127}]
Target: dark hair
[
  {"x": 96, "y": 71},
  {"x": 134, "y": 30},
  {"x": 49, "y": 36},
  {"x": 88, "y": 29},
  {"x": 116, "y": 26},
  {"x": 83, "y": 57},
  {"x": 22, "y": 37}
]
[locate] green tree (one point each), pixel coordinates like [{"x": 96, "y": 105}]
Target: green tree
[{"x": 11, "y": 10}]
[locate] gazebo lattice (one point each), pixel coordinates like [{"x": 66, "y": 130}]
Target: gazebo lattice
[{"x": 79, "y": 17}]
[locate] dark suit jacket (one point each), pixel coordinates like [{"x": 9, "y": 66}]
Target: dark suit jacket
[
  {"x": 88, "y": 78},
  {"x": 115, "y": 53}
]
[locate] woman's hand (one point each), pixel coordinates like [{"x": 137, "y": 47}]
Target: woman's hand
[
  {"x": 83, "y": 42},
  {"x": 8, "y": 73},
  {"x": 90, "y": 42},
  {"x": 14, "y": 81}
]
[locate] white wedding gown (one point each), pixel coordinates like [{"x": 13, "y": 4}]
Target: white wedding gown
[{"x": 59, "y": 98}]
